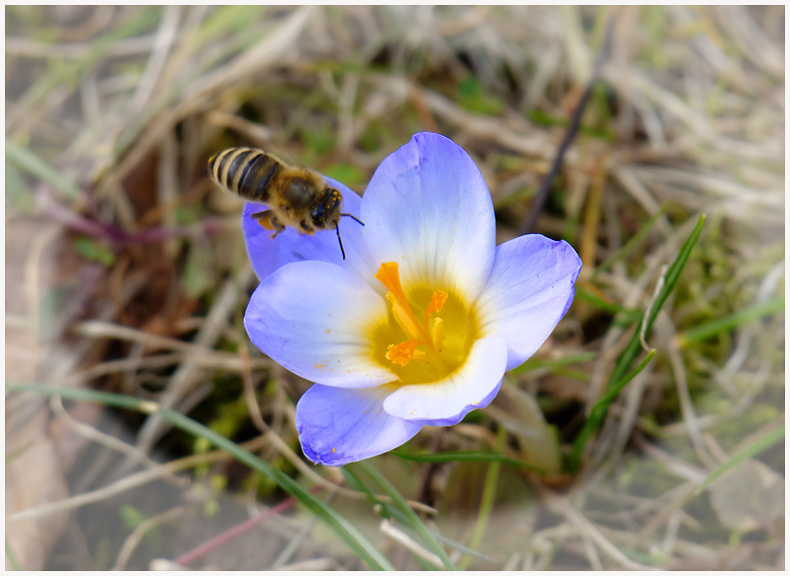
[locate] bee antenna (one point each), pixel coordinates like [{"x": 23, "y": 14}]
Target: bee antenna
[
  {"x": 354, "y": 217},
  {"x": 343, "y": 252}
]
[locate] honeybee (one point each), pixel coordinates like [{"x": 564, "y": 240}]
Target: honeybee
[{"x": 297, "y": 197}]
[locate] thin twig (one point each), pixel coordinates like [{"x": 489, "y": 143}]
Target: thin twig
[
  {"x": 95, "y": 435},
  {"x": 188, "y": 372},
  {"x": 545, "y": 186},
  {"x": 163, "y": 41},
  {"x": 562, "y": 505},
  {"x": 294, "y": 544},
  {"x": 201, "y": 355},
  {"x": 136, "y": 537},
  {"x": 189, "y": 557},
  {"x": 128, "y": 483},
  {"x": 391, "y": 531},
  {"x": 664, "y": 324}
]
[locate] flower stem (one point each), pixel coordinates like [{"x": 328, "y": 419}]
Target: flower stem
[{"x": 487, "y": 503}]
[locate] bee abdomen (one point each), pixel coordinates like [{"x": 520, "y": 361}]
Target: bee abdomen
[{"x": 244, "y": 171}]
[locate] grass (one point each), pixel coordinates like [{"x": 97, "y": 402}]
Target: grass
[
  {"x": 111, "y": 113},
  {"x": 358, "y": 543},
  {"x": 749, "y": 452},
  {"x": 619, "y": 379},
  {"x": 39, "y": 169}
]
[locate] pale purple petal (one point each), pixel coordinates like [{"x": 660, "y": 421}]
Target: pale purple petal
[
  {"x": 314, "y": 319},
  {"x": 446, "y": 402},
  {"x": 530, "y": 289},
  {"x": 267, "y": 254},
  {"x": 428, "y": 209},
  {"x": 341, "y": 425}
]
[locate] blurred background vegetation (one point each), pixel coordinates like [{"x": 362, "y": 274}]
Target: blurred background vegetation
[{"x": 126, "y": 272}]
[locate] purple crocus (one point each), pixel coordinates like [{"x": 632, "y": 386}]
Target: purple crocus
[{"x": 417, "y": 326}]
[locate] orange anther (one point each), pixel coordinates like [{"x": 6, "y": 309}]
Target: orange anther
[{"x": 402, "y": 353}]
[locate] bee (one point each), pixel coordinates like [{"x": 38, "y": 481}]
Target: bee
[{"x": 297, "y": 197}]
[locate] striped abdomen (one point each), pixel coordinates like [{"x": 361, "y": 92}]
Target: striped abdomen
[{"x": 245, "y": 171}]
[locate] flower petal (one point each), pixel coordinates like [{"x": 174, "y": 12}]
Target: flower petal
[
  {"x": 313, "y": 319},
  {"x": 339, "y": 425},
  {"x": 267, "y": 254},
  {"x": 530, "y": 289},
  {"x": 428, "y": 208},
  {"x": 470, "y": 387}
]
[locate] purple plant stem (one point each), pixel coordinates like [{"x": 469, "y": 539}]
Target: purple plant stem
[
  {"x": 50, "y": 208},
  {"x": 117, "y": 236},
  {"x": 227, "y": 535}
]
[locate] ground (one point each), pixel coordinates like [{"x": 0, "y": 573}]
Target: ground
[{"x": 126, "y": 272}]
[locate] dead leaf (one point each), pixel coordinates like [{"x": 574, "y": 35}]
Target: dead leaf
[
  {"x": 33, "y": 477},
  {"x": 518, "y": 412},
  {"x": 749, "y": 497}
]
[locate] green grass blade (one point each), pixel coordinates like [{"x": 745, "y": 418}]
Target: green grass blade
[
  {"x": 670, "y": 279},
  {"x": 72, "y": 73},
  {"x": 749, "y": 452},
  {"x": 227, "y": 20},
  {"x": 618, "y": 379},
  {"x": 34, "y": 165},
  {"x": 599, "y": 410},
  {"x": 628, "y": 317},
  {"x": 9, "y": 553},
  {"x": 611, "y": 394},
  {"x": 390, "y": 511},
  {"x": 355, "y": 482},
  {"x": 487, "y": 501},
  {"x": 466, "y": 456},
  {"x": 241, "y": 23},
  {"x": 465, "y": 549},
  {"x": 631, "y": 245},
  {"x": 538, "y": 364},
  {"x": 386, "y": 510},
  {"x": 361, "y": 546},
  {"x": 414, "y": 521},
  {"x": 731, "y": 321}
]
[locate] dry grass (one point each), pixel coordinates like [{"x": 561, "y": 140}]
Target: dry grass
[{"x": 126, "y": 271}]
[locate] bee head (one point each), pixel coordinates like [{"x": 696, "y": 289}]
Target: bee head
[{"x": 327, "y": 213}]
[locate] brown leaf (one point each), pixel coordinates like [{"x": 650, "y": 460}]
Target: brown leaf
[
  {"x": 518, "y": 412},
  {"x": 33, "y": 477}
]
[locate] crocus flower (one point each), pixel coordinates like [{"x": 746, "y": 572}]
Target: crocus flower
[{"x": 417, "y": 326}]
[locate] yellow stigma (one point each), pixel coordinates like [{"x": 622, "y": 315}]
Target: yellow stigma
[
  {"x": 437, "y": 334},
  {"x": 438, "y": 298},
  {"x": 414, "y": 341},
  {"x": 389, "y": 276}
]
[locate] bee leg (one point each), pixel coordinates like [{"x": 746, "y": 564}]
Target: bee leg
[
  {"x": 278, "y": 227},
  {"x": 269, "y": 221},
  {"x": 305, "y": 228}
]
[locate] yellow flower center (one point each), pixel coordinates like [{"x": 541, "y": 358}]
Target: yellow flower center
[{"x": 427, "y": 334}]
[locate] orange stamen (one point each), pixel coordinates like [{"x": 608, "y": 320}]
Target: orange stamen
[
  {"x": 420, "y": 334},
  {"x": 402, "y": 353}
]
